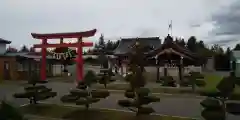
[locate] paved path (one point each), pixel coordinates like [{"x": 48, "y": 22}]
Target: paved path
[{"x": 174, "y": 106}]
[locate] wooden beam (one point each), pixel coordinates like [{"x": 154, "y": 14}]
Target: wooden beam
[
  {"x": 84, "y": 44},
  {"x": 170, "y": 51}
]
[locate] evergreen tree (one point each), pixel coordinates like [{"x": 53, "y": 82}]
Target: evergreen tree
[
  {"x": 237, "y": 47},
  {"x": 109, "y": 45},
  {"x": 32, "y": 49},
  {"x": 82, "y": 95},
  {"x": 35, "y": 92},
  {"x": 24, "y": 49},
  {"x": 192, "y": 44},
  {"x": 101, "y": 43},
  {"x": 217, "y": 49},
  {"x": 11, "y": 50}
]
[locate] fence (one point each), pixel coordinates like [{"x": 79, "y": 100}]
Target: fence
[{"x": 172, "y": 71}]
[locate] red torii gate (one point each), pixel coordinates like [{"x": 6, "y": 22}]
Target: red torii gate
[{"x": 79, "y": 45}]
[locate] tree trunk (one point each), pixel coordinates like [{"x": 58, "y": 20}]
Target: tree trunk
[
  {"x": 157, "y": 73},
  {"x": 87, "y": 106},
  {"x": 165, "y": 70}
]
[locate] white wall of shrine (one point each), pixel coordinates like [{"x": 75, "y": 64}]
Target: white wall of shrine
[{"x": 172, "y": 71}]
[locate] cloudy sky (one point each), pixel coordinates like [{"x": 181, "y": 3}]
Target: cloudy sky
[{"x": 214, "y": 21}]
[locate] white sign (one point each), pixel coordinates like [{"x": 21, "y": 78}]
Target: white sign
[{"x": 64, "y": 55}]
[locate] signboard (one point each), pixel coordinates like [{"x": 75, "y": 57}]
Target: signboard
[{"x": 63, "y": 53}]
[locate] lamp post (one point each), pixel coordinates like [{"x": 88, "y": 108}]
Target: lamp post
[{"x": 157, "y": 64}]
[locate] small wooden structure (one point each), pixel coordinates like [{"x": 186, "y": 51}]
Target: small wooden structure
[
  {"x": 21, "y": 65},
  {"x": 171, "y": 54}
]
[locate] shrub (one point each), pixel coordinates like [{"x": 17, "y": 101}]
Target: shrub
[
  {"x": 105, "y": 77},
  {"x": 215, "y": 106},
  {"x": 91, "y": 60},
  {"x": 168, "y": 81},
  {"x": 90, "y": 78},
  {"x": 82, "y": 95},
  {"x": 137, "y": 94},
  {"x": 35, "y": 92},
  {"x": 196, "y": 79}
]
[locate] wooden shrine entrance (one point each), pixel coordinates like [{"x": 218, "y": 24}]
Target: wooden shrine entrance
[{"x": 79, "y": 45}]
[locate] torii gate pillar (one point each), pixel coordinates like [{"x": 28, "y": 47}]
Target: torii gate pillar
[
  {"x": 79, "y": 60},
  {"x": 43, "y": 61}
]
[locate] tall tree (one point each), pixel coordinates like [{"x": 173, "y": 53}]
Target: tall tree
[
  {"x": 101, "y": 42},
  {"x": 11, "y": 50},
  {"x": 32, "y": 49},
  {"x": 217, "y": 49},
  {"x": 116, "y": 44},
  {"x": 237, "y": 47},
  {"x": 201, "y": 44},
  {"x": 24, "y": 49},
  {"x": 191, "y": 43},
  {"x": 182, "y": 43},
  {"x": 109, "y": 45}
]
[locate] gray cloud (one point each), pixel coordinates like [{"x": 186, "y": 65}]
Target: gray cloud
[
  {"x": 227, "y": 23},
  {"x": 113, "y": 18}
]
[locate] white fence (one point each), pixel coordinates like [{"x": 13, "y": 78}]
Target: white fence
[{"x": 174, "y": 71}]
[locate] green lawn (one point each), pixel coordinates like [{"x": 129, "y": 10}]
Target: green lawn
[
  {"x": 77, "y": 113},
  {"x": 212, "y": 81}
]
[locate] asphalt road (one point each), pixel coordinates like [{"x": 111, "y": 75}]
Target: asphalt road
[{"x": 174, "y": 106}]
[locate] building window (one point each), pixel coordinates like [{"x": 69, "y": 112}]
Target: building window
[
  {"x": 22, "y": 67},
  {"x": 19, "y": 67}
]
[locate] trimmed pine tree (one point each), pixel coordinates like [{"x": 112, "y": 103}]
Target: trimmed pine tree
[
  {"x": 36, "y": 91},
  {"x": 137, "y": 95},
  {"x": 83, "y": 94}
]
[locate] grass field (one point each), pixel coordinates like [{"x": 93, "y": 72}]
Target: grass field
[
  {"x": 79, "y": 113},
  {"x": 212, "y": 81}
]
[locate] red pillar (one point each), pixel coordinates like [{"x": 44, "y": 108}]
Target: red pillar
[
  {"x": 43, "y": 61},
  {"x": 79, "y": 62}
]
